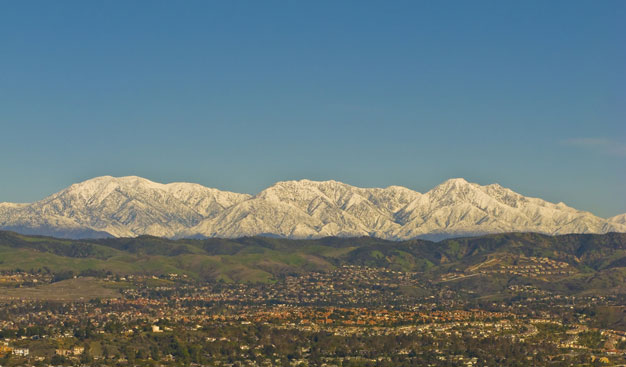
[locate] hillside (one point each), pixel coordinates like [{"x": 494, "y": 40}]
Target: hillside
[{"x": 575, "y": 263}]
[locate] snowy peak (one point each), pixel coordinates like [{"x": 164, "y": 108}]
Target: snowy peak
[
  {"x": 454, "y": 190},
  {"x": 123, "y": 206},
  {"x": 620, "y": 219},
  {"x": 132, "y": 206}
]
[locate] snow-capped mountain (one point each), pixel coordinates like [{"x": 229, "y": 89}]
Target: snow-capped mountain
[
  {"x": 126, "y": 206},
  {"x": 132, "y": 206},
  {"x": 312, "y": 209},
  {"x": 621, "y": 219}
]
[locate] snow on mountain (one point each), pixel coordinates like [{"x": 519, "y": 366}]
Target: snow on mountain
[
  {"x": 131, "y": 206},
  {"x": 620, "y": 219},
  {"x": 126, "y": 206},
  {"x": 459, "y": 207},
  {"x": 312, "y": 209}
]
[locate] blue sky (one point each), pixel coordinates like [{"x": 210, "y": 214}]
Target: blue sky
[{"x": 240, "y": 94}]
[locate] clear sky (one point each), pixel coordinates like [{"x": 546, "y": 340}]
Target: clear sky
[{"x": 240, "y": 94}]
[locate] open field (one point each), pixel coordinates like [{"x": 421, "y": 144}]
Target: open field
[{"x": 78, "y": 289}]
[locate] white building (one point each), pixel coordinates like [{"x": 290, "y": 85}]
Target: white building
[{"x": 23, "y": 352}]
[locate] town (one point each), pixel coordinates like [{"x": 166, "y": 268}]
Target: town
[{"x": 351, "y": 316}]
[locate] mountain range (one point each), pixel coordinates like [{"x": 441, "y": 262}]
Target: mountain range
[{"x": 133, "y": 206}]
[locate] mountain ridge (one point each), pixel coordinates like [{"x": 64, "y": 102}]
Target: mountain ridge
[{"x": 130, "y": 206}]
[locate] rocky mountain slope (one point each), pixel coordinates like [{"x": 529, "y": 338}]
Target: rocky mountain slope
[{"x": 132, "y": 206}]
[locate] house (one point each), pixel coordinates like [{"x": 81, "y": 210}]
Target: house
[{"x": 22, "y": 352}]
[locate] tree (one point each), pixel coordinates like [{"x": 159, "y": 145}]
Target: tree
[{"x": 58, "y": 360}]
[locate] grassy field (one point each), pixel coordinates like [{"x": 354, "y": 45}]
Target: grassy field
[{"x": 79, "y": 289}]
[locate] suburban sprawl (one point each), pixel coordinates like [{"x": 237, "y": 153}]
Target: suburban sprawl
[{"x": 353, "y": 302}]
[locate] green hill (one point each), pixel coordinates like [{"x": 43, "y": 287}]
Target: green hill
[{"x": 568, "y": 263}]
